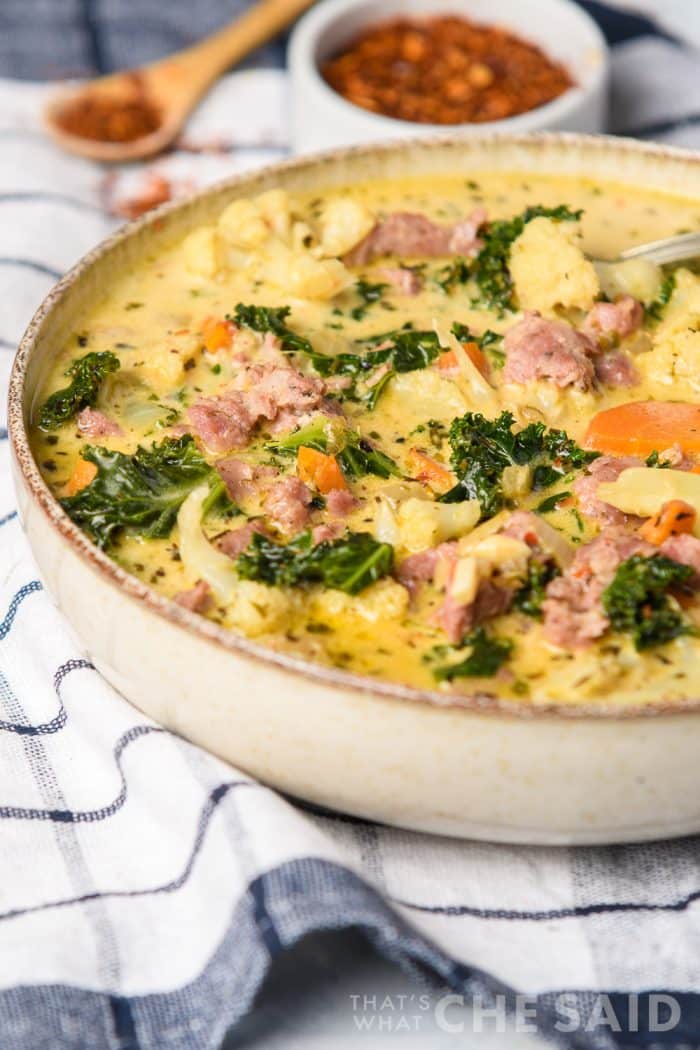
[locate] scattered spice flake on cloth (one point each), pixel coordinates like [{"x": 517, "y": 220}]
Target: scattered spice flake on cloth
[
  {"x": 217, "y": 145},
  {"x": 153, "y": 189}
]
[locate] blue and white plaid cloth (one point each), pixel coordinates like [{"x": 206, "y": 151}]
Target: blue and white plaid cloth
[{"x": 146, "y": 886}]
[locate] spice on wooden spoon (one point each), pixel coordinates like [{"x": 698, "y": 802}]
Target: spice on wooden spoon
[
  {"x": 132, "y": 115},
  {"x": 91, "y": 115},
  {"x": 444, "y": 70}
]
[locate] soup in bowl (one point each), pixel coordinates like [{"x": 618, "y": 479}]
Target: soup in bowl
[{"x": 406, "y": 434}]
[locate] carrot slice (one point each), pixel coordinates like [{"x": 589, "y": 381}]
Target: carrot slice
[
  {"x": 217, "y": 335},
  {"x": 478, "y": 358},
  {"x": 674, "y": 517},
  {"x": 316, "y": 468},
  {"x": 447, "y": 361},
  {"x": 330, "y": 476},
  {"x": 641, "y": 427},
  {"x": 83, "y": 473},
  {"x": 429, "y": 471}
]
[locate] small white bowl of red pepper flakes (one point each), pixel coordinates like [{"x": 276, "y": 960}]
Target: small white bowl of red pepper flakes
[{"x": 364, "y": 71}]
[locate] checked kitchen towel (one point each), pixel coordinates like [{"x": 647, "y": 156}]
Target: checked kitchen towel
[{"x": 144, "y": 885}]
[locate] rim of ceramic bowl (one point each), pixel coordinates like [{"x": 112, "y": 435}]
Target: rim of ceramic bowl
[
  {"x": 305, "y": 38},
  {"x": 475, "y": 702}
]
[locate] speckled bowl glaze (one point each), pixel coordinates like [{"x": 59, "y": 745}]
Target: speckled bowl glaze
[{"x": 466, "y": 766}]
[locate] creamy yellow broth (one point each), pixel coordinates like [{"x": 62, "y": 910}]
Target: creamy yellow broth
[{"x": 152, "y": 319}]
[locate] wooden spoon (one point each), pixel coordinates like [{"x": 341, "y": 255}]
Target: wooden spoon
[{"x": 160, "y": 97}]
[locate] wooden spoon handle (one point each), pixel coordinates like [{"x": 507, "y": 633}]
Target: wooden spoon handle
[{"x": 187, "y": 74}]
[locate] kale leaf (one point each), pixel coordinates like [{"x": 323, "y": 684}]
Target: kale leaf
[
  {"x": 369, "y": 293},
  {"x": 529, "y": 598},
  {"x": 563, "y": 454},
  {"x": 402, "y": 350},
  {"x": 316, "y": 434},
  {"x": 488, "y": 654},
  {"x": 654, "y": 460},
  {"x": 405, "y": 351},
  {"x": 360, "y": 457},
  {"x": 273, "y": 319},
  {"x": 348, "y": 564},
  {"x": 490, "y": 268},
  {"x": 87, "y": 374},
  {"x": 142, "y": 493},
  {"x": 372, "y": 398},
  {"x": 551, "y": 502},
  {"x": 452, "y": 274},
  {"x": 483, "y": 448},
  {"x": 637, "y": 603},
  {"x": 356, "y": 457},
  {"x": 408, "y": 351},
  {"x": 655, "y": 309},
  {"x": 489, "y": 342}
]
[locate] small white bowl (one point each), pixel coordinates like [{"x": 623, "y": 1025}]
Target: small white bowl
[{"x": 322, "y": 118}]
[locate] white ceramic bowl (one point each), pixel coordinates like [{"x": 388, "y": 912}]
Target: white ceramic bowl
[
  {"x": 466, "y": 765},
  {"x": 321, "y": 118}
]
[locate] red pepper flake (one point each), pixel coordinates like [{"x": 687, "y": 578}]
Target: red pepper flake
[
  {"x": 444, "y": 70},
  {"x": 107, "y": 118},
  {"x": 155, "y": 190}
]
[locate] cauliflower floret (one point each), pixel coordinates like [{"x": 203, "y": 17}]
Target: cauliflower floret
[
  {"x": 674, "y": 360},
  {"x": 549, "y": 268},
  {"x": 639, "y": 278},
  {"x": 258, "y": 609},
  {"x": 423, "y": 523},
  {"x": 302, "y": 275},
  {"x": 261, "y": 235},
  {"x": 538, "y": 399},
  {"x": 276, "y": 208},
  {"x": 504, "y": 554},
  {"x": 242, "y": 225},
  {"x": 384, "y": 600},
  {"x": 674, "y": 363},
  {"x": 248, "y": 223},
  {"x": 344, "y": 222},
  {"x": 424, "y": 395},
  {"x": 302, "y": 238},
  {"x": 202, "y": 251},
  {"x": 162, "y": 364},
  {"x": 495, "y": 555},
  {"x": 683, "y": 311}
]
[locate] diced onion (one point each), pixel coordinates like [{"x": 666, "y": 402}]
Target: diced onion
[
  {"x": 199, "y": 557},
  {"x": 386, "y": 529},
  {"x": 516, "y": 481},
  {"x": 474, "y": 387},
  {"x": 552, "y": 541}
]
